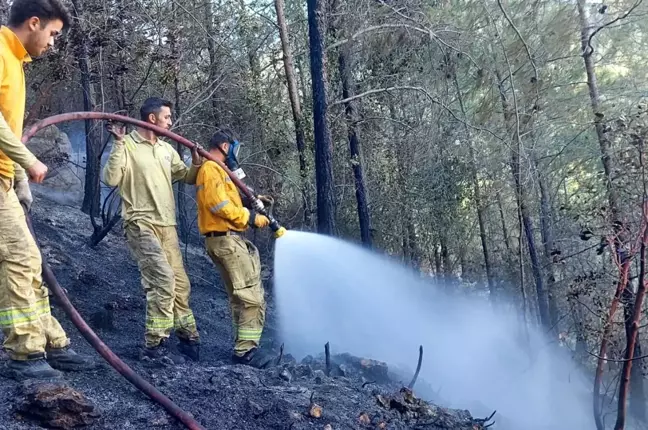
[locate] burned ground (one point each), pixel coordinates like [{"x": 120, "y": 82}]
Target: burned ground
[{"x": 103, "y": 284}]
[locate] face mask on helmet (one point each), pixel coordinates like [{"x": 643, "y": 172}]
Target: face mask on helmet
[{"x": 232, "y": 159}]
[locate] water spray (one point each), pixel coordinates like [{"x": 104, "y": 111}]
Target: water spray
[
  {"x": 275, "y": 226},
  {"x": 48, "y": 275}
]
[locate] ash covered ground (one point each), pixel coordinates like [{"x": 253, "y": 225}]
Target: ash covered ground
[{"x": 103, "y": 283}]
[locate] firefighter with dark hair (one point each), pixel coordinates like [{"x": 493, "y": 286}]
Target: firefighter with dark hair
[
  {"x": 144, "y": 168},
  {"x": 222, "y": 219},
  {"x": 35, "y": 341}
]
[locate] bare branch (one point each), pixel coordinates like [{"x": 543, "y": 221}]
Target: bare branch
[
  {"x": 590, "y": 49},
  {"x": 433, "y": 99},
  {"x": 376, "y": 28}
]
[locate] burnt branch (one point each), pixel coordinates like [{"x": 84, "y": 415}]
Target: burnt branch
[
  {"x": 327, "y": 355},
  {"x": 418, "y": 368}
]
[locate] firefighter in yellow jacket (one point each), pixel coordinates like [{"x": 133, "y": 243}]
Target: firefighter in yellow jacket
[
  {"x": 144, "y": 168},
  {"x": 34, "y": 339},
  {"x": 221, "y": 219}
]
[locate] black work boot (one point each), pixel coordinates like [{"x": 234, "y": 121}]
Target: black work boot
[
  {"x": 68, "y": 360},
  {"x": 30, "y": 369},
  {"x": 255, "y": 358},
  {"x": 157, "y": 352},
  {"x": 190, "y": 348}
]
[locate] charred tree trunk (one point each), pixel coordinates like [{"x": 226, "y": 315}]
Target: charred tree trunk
[
  {"x": 174, "y": 65},
  {"x": 213, "y": 67},
  {"x": 437, "y": 260},
  {"x": 323, "y": 145},
  {"x": 445, "y": 259},
  {"x": 295, "y": 104},
  {"x": 344, "y": 64},
  {"x": 525, "y": 216},
  {"x": 92, "y": 190}
]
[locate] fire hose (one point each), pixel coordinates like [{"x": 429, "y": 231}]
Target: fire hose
[{"x": 49, "y": 277}]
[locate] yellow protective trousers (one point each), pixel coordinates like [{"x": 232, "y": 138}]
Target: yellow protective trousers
[
  {"x": 166, "y": 284},
  {"x": 27, "y": 324},
  {"x": 238, "y": 261}
]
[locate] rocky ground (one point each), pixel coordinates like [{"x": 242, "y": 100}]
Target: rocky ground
[{"x": 103, "y": 283}]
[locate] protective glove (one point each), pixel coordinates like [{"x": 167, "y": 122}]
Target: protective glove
[
  {"x": 258, "y": 220},
  {"x": 24, "y": 192}
]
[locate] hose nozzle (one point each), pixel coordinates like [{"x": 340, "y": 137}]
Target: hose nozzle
[
  {"x": 276, "y": 228},
  {"x": 274, "y": 224},
  {"x": 280, "y": 232}
]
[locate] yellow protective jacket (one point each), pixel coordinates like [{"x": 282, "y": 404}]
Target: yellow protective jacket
[
  {"x": 219, "y": 204},
  {"x": 14, "y": 156},
  {"x": 144, "y": 173}
]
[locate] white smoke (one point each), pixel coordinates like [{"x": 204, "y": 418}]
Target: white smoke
[{"x": 371, "y": 306}]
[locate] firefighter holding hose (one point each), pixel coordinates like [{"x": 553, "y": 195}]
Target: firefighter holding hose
[
  {"x": 222, "y": 219},
  {"x": 144, "y": 167},
  {"x": 35, "y": 341}
]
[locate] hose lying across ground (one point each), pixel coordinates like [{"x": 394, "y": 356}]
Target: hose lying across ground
[{"x": 75, "y": 317}]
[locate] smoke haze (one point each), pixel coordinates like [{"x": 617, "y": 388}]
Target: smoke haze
[{"x": 371, "y": 306}]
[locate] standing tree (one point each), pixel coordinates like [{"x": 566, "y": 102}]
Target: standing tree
[{"x": 323, "y": 145}]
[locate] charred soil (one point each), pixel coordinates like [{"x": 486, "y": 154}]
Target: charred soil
[{"x": 103, "y": 284}]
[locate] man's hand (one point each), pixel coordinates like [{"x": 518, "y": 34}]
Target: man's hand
[
  {"x": 117, "y": 131},
  {"x": 37, "y": 172},
  {"x": 24, "y": 193},
  {"x": 196, "y": 158}
]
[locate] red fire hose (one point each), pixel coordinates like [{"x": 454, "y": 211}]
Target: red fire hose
[
  {"x": 73, "y": 116},
  {"x": 50, "y": 279}
]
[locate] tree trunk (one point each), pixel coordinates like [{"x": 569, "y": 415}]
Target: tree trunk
[
  {"x": 633, "y": 319},
  {"x": 546, "y": 230},
  {"x": 174, "y": 64},
  {"x": 606, "y": 160},
  {"x": 323, "y": 146},
  {"x": 92, "y": 190},
  {"x": 344, "y": 63},
  {"x": 298, "y": 118},
  {"x": 525, "y": 216},
  {"x": 478, "y": 198},
  {"x": 213, "y": 66},
  {"x": 437, "y": 260}
]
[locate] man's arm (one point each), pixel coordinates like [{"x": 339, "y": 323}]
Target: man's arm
[
  {"x": 218, "y": 202},
  {"x": 14, "y": 148},
  {"x": 11, "y": 145},
  {"x": 113, "y": 171}
]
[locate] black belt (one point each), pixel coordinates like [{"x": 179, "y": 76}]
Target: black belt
[{"x": 220, "y": 233}]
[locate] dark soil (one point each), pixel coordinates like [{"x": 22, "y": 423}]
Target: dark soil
[{"x": 103, "y": 283}]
